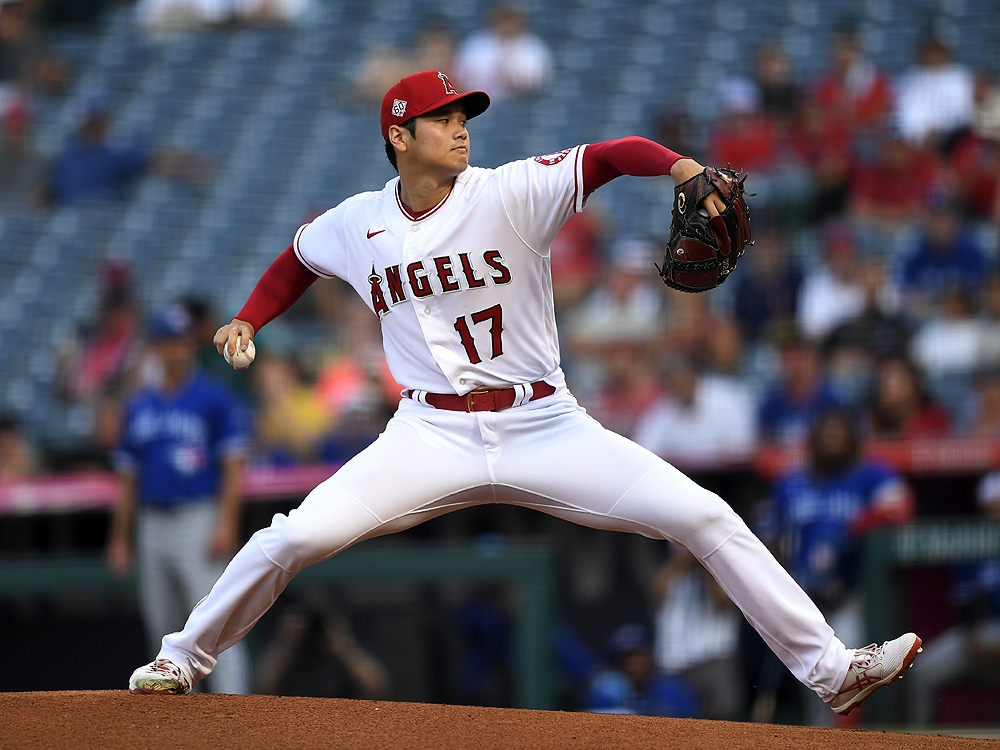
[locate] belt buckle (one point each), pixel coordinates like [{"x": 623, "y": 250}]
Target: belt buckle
[{"x": 470, "y": 407}]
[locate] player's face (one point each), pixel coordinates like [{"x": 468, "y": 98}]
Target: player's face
[
  {"x": 442, "y": 141},
  {"x": 175, "y": 353}
]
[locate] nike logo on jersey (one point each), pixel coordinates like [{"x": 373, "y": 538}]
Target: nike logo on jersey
[{"x": 372, "y": 234}]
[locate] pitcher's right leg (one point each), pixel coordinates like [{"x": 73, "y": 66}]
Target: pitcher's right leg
[
  {"x": 418, "y": 468},
  {"x": 328, "y": 521}
]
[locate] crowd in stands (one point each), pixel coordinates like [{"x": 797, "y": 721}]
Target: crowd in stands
[{"x": 869, "y": 307}]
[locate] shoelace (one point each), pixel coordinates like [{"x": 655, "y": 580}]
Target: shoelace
[{"x": 864, "y": 657}]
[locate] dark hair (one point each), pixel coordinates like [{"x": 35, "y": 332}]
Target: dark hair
[
  {"x": 197, "y": 307},
  {"x": 390, "y": 150},
  {"x": 824, "y": 465}
]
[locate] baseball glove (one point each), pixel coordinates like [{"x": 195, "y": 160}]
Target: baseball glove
[{"x": 702, "y": 251}]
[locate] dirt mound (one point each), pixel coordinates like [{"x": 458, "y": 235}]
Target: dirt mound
[{"x": 115, "y": 719}]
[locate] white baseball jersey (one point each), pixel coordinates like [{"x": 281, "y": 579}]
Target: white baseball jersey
[{"x": 464, "y": 291}]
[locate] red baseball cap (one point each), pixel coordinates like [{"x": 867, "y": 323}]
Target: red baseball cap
[{"x": 424, "y": 92}]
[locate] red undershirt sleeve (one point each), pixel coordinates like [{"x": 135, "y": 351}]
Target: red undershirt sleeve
[
  {"x": 639, "y": 157},
  {"x": 282, "y": 283}
]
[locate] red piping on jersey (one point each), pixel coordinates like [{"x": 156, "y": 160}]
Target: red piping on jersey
[
  {"x": 419, "y": 215},
  {"x": 282, "y": 283},
  {"x": 298, "y": 253},
  {"x": 576, "y": 176},
  {"x": 635, "y": 156}
]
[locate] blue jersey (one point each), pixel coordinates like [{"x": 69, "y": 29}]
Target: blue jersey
[
  {"x": 175, "y": 442},
  {"x": 962, "y": 265},
  {"x": 978, "y": 583},
  {"x": 812, "y": 517},
  {"x": 95, "y": 171}
]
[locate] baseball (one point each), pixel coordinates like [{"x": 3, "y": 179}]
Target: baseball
[{"x": 242, "y": 359}]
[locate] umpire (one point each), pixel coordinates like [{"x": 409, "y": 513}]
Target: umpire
[{"x": 180, "y": 459}]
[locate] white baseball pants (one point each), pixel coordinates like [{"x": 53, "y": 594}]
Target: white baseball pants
[{"x": 548, "y": 455}]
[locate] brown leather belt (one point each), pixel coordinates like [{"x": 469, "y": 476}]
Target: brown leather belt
[{"x": 485, "y": 399}]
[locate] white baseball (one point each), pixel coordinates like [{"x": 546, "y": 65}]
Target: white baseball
[{"x": 242, "y": 359}]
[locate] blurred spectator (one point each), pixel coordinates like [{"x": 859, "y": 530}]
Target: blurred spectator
[
  {"x": 974, "y": 167},
  {"x": 291, "y": 419},
  {"x": 853, "y": 347},
  {"x": 702, "y": 418},
  {"x": 878, "y": 330},
  {"x": 803, "y": 391},
  {"x": 971, "y": 648},
  {"x": 628, "y": 291},
  {"x": 986, "y": 94},
  {"x": 688, "y": 318},
  {"x": 23, "y": 165},
  {"x": 17, "y": 455},
  {"x": 312, "y": 645},
  {"x": 743, "y": 136},
  {"x": 824, "y": 144},
  {"x": 779, "y": 94},
  {"x": 990, "y": 354},
  {"x": 726, "y": 351},
  {"x": 853, "y": 91},
  {"x": 697, "y": 633},
  {"x": 267, "y": 12},
  {"x": 355, "y": 386},
  {"x": 945, "y": 256},
  {"x": 25, "y": 60},
  {"x": 575, "y": 257},
  {"x": 817, "y": 518},
  {"x": 986, "y": 414},
  {"x": 953, "y": 342},
  {"x": 179, "y": 15},
  {"x": 98, "y": 360},
  {"x": 91, "y": 167},
  {"x": 507, "y": 60},
  {"x": 832, "y": 292},
  {"x": 676, "y": 130},
  {"x": 629, "y": 384},
  {"x": 934, "y": 99},
  {"x": 901, "y": 407},
  {"x": 207, "y": 359},
  {"x": 613, "y": 334},
  {"x": 632, "y": 686},
  {"x": 384, "y": 66},
  {"x": 181, "y": 461},
  {"x": 107, "y": 433},
  {"x": 165, "y": 16},
  {"x": 890, "y": 189},
  {"x": 767, "y": 289}
]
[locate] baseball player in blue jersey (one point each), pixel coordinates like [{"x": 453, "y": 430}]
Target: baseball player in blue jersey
[
  {"x": 180, "y": 460},
  {"x": 818, "y": 516}
]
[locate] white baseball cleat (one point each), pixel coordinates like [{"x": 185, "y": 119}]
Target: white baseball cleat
[
  {"x": 873, "y": 667},
  {"x": 160, "y": 677}
]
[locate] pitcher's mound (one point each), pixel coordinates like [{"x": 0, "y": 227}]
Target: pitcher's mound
[{"x": 112, "y": 720}]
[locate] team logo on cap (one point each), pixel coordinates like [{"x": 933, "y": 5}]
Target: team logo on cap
[
  {"x": 448, "y": 87},
  {"x": 398, "y": 107}
]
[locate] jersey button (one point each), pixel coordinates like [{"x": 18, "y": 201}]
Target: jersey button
[
  {"x": 427, "y": 311},
  {"x": 461, "y": 381}
]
